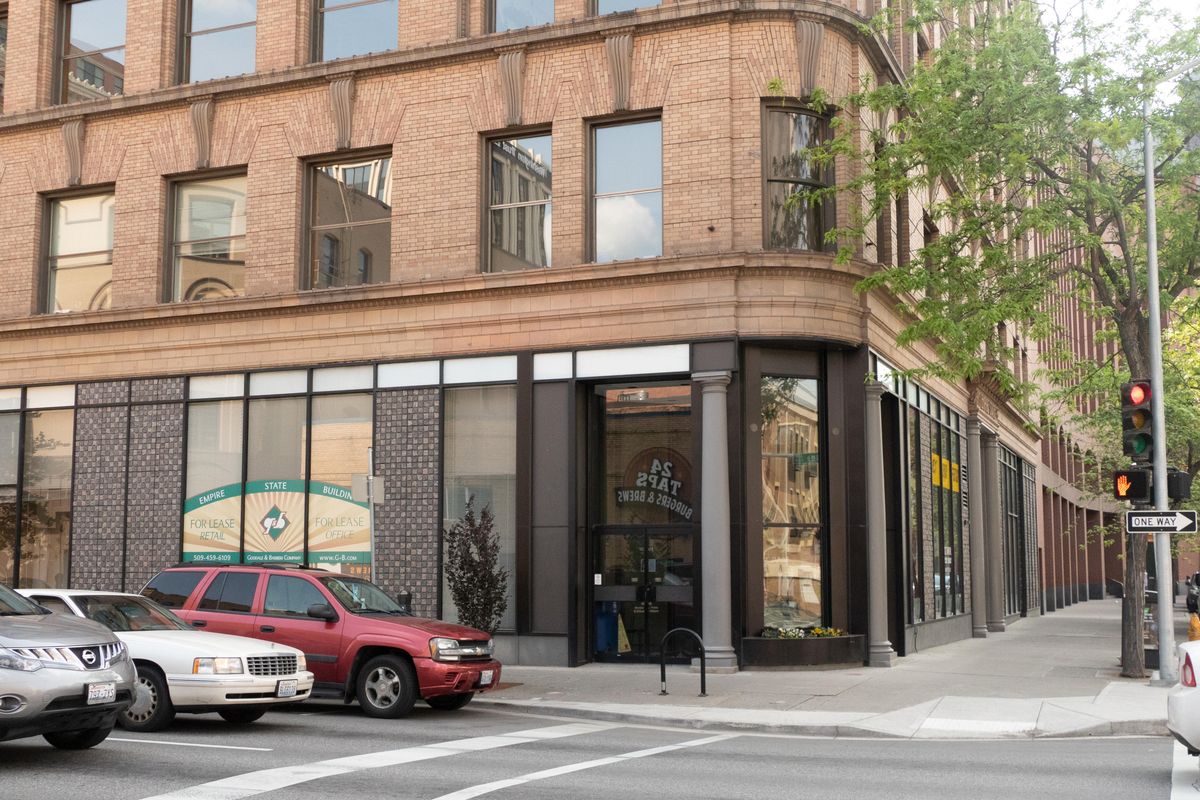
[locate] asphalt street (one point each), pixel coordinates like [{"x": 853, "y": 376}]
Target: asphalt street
[{"x": 319, "y": 751}]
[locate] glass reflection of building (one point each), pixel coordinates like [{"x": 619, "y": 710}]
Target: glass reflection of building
[
  {"x": 351, "y": 224},
  {"x": 521, "y": 193},
  {"x": 210, "y": 239}
]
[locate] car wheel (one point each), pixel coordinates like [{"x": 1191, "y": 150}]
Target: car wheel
[
  {"x": 449, "y": 702},
  {"x": 77, "y": 740},
  {"x": 387, "y": 687},
  {"x": 242, "y": 715},
  {"x": 151, "y": 709}
]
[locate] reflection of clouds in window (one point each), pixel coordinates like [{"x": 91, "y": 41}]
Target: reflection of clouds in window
[
  {"x": 628, "y": 226},
  {"x": 511, "y": 14}
]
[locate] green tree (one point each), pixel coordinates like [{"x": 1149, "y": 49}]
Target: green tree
[
  {"x": 1015, "y": 142},
  {"x": 478, "y": 584}
]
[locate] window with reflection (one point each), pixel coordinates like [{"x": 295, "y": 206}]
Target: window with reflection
[
  {"x": 346, "y": 28},
  {"x": 510, "y": 14},
  {"x": 627, "y": 180},
  {"x": 49, "y": 443},
  {"x": 79, "y": 274},
  {"x": 613, "y": 6},
  {"x": 795, "y": 219},
  {"x": 339, "y": 527},
  {"x": 10, "y": 456},
  {"x": 351, "y": 222},
  {"x": 519, "y": 199},
  {"x": 209, "y": 245},
  {"x": 218, "y": 39},
  {"x": 212, "y": 508},
  {"x": 93, "y": 50},
  {"x": 481, "y": 466},
  {"x": 3, "y": 49},
  {"x": 793, "y": 540}
]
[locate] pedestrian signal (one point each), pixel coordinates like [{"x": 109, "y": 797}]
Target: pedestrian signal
[{"x": 1132, "y": 485}]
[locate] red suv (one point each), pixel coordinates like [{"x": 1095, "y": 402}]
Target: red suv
[{"x": 359, "y": 643}]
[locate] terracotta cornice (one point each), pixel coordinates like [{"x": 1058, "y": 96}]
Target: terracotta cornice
[{"x": 590, "y": 29}]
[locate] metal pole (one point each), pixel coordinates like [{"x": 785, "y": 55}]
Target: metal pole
[
  {"x": 1167, "y": 673},
  {"x": 371, "y": 504}
]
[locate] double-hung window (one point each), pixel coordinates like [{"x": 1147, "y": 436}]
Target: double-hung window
[
  {"x": 613, "y": 6},
  {"x": 3, "y": 48},
  {"x": 346, "y": 28},
  {"x": 510, "y": 14},
  {"x": 92, "y": 50},
  {"x": 350, "y": 223},
  {"x": 79, "y": 273},
  {"x": 218, "y": 39},
  {"x": 520, "y": 202},
  {"x": 627, "y": 205},
  {"x": 209, "y": 244},
  {"x": 795, "y": 218}
]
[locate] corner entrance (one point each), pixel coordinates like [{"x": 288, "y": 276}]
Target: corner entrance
[{"x": 644, "y": 522}]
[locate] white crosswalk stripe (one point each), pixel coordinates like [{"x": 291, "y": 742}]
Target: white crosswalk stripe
[
  {"x": 268, "y": 780},
  {"x": 1185, "y": 775}
]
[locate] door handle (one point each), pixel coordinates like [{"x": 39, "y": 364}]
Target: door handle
[
  {"x": 267, "y": 628},
  {"x": 198, "y": 623}
]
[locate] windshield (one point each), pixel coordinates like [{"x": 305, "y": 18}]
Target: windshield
[
  {"x": 359, "y": 596},
  {"x": 14, "y": 605},
  {"x": 120, "y": 613}
]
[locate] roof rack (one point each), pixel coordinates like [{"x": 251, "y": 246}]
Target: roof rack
[{"x": 263, "y": 565}]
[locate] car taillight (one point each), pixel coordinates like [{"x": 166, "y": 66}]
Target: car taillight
[{"x": 1187, "y": 676}]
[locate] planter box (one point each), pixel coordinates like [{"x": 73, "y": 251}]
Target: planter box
[{"x": 760, "y": 652}]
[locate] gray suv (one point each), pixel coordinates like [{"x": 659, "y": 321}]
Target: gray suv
[{"x": 61, "y": 677}]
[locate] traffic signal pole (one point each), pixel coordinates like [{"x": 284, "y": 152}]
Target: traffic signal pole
[{"x": 1168, "y": 674}]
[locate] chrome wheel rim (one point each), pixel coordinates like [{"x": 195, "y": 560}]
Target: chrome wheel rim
[
  {"x": 145, "y": 701},
  {"x": 383, "y": 687}
]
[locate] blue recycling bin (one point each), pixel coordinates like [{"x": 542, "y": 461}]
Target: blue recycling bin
[{"x": 606, "y": 626}]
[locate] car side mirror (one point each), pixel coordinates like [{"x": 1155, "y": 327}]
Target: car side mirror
[
  {"x": 1188, "y": 581},
  {"x": 322, "y": 611}
]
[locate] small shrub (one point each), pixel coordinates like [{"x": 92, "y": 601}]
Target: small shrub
[{"x": 478, "y": 584}]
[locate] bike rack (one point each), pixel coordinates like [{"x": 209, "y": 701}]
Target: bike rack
[{"x": 662, "y": 658}]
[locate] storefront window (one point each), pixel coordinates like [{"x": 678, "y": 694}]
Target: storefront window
[
  {"x": 10, "y": 452},
  {"x": 791, "y": 493},
  {"x": 275, "y": 480},
  {"x": 339, "y": 527},
  {"x": 480, "y": 464},
  {"x": 46, "y": 498},
  {"x": 212, "y": 530}
]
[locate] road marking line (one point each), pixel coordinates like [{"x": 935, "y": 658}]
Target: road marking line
[
  {"x": 269, "y": 780},
  {"x": 1184, "y": 775},
  {"x": 190, "y": 744},
  {"x": 508, "y": 783}
]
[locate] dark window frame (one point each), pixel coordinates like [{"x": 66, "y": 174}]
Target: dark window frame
[
  {"x": 308, "y": 201},
  {"x": 828, "y": 211},
  {"x": 183, "y": 61},
  {"x": 488, "y": 177},
  {"x": 63, "y": 47},
  {"x": 167, "y": 293},
  {"x": 594, "y": 8},
  {"x": 589, "y": 157},
  {"x": 47, "y": 202},
  {"x": 317, "y": 45},
  {"x": 491, "y": 19}
]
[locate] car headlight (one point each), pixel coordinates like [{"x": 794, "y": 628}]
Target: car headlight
[
  {"x": 453, "y": 650},
  {"x": 10, "y": 660},
  {"x": 216, "y": 666},
  {"x": 301, "y": 663}
]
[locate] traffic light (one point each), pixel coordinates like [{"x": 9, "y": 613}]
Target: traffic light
[
  {"x": 1137, "y": 421},
  {"x": 1132, "y": 484}
]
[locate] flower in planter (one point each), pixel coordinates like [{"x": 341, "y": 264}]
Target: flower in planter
[{"x": 818, "y": 632}]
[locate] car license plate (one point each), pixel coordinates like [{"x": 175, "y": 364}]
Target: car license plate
[
  {"x": 285, "y": 689},
  {"x": 98, "y": 693},
  {"x": 485, "y": 678}
]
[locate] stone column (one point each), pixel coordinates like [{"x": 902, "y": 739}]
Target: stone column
[
  {"x": 994, "y": 532},
  {"x": 879, "y": 650},
  {"x": 716, "y": 603},
  {"x": 975, "y": 507}
]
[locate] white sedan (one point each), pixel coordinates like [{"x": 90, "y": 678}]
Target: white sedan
[
  {"x": 1183, "y": 702},
  {"x": 181, "y": 669}
]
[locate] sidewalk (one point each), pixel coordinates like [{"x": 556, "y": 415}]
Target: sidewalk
[{"x": 1055, "y": 675}]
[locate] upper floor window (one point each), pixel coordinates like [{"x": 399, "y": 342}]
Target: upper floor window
[
  {"x": 519, "y": 203},
  {"x": 351, "y": 221},
  {"x": 795, "y": 220},
  {"x": 510, "y": 14},
  {"x": 346, "y": 28},
  {"x": 613, "y": 6},
  {"x": 79, "y": 266},
  {"x": 218, "y": 39},
  {"x": 3, "y": 48},
  {"x": 208, "y": 247},
  {"x": 92, "y": 50},
  {"x": 627, "y": 208}
]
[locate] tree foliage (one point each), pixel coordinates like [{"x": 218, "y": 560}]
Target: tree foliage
[
  {"x": 478, "y": 584},
  {"x": 1021, "y": 139}
]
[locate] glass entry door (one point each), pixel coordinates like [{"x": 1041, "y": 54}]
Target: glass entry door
[{"x": 644, "y": 523}]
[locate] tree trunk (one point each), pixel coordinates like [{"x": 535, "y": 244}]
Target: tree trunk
[{"x": 1133, "y": 656}]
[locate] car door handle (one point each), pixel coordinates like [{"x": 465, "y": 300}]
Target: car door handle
[
  {"x": 198, "y": 623},
  {"x": 266, "y": 628}
]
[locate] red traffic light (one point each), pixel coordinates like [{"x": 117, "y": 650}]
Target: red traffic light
[
  {"x": 1139, "y": 393},
  {"x": 1137, "y": 421}
]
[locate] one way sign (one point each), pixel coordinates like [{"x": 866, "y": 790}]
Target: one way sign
[{"x": 1157, "y": 521}]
